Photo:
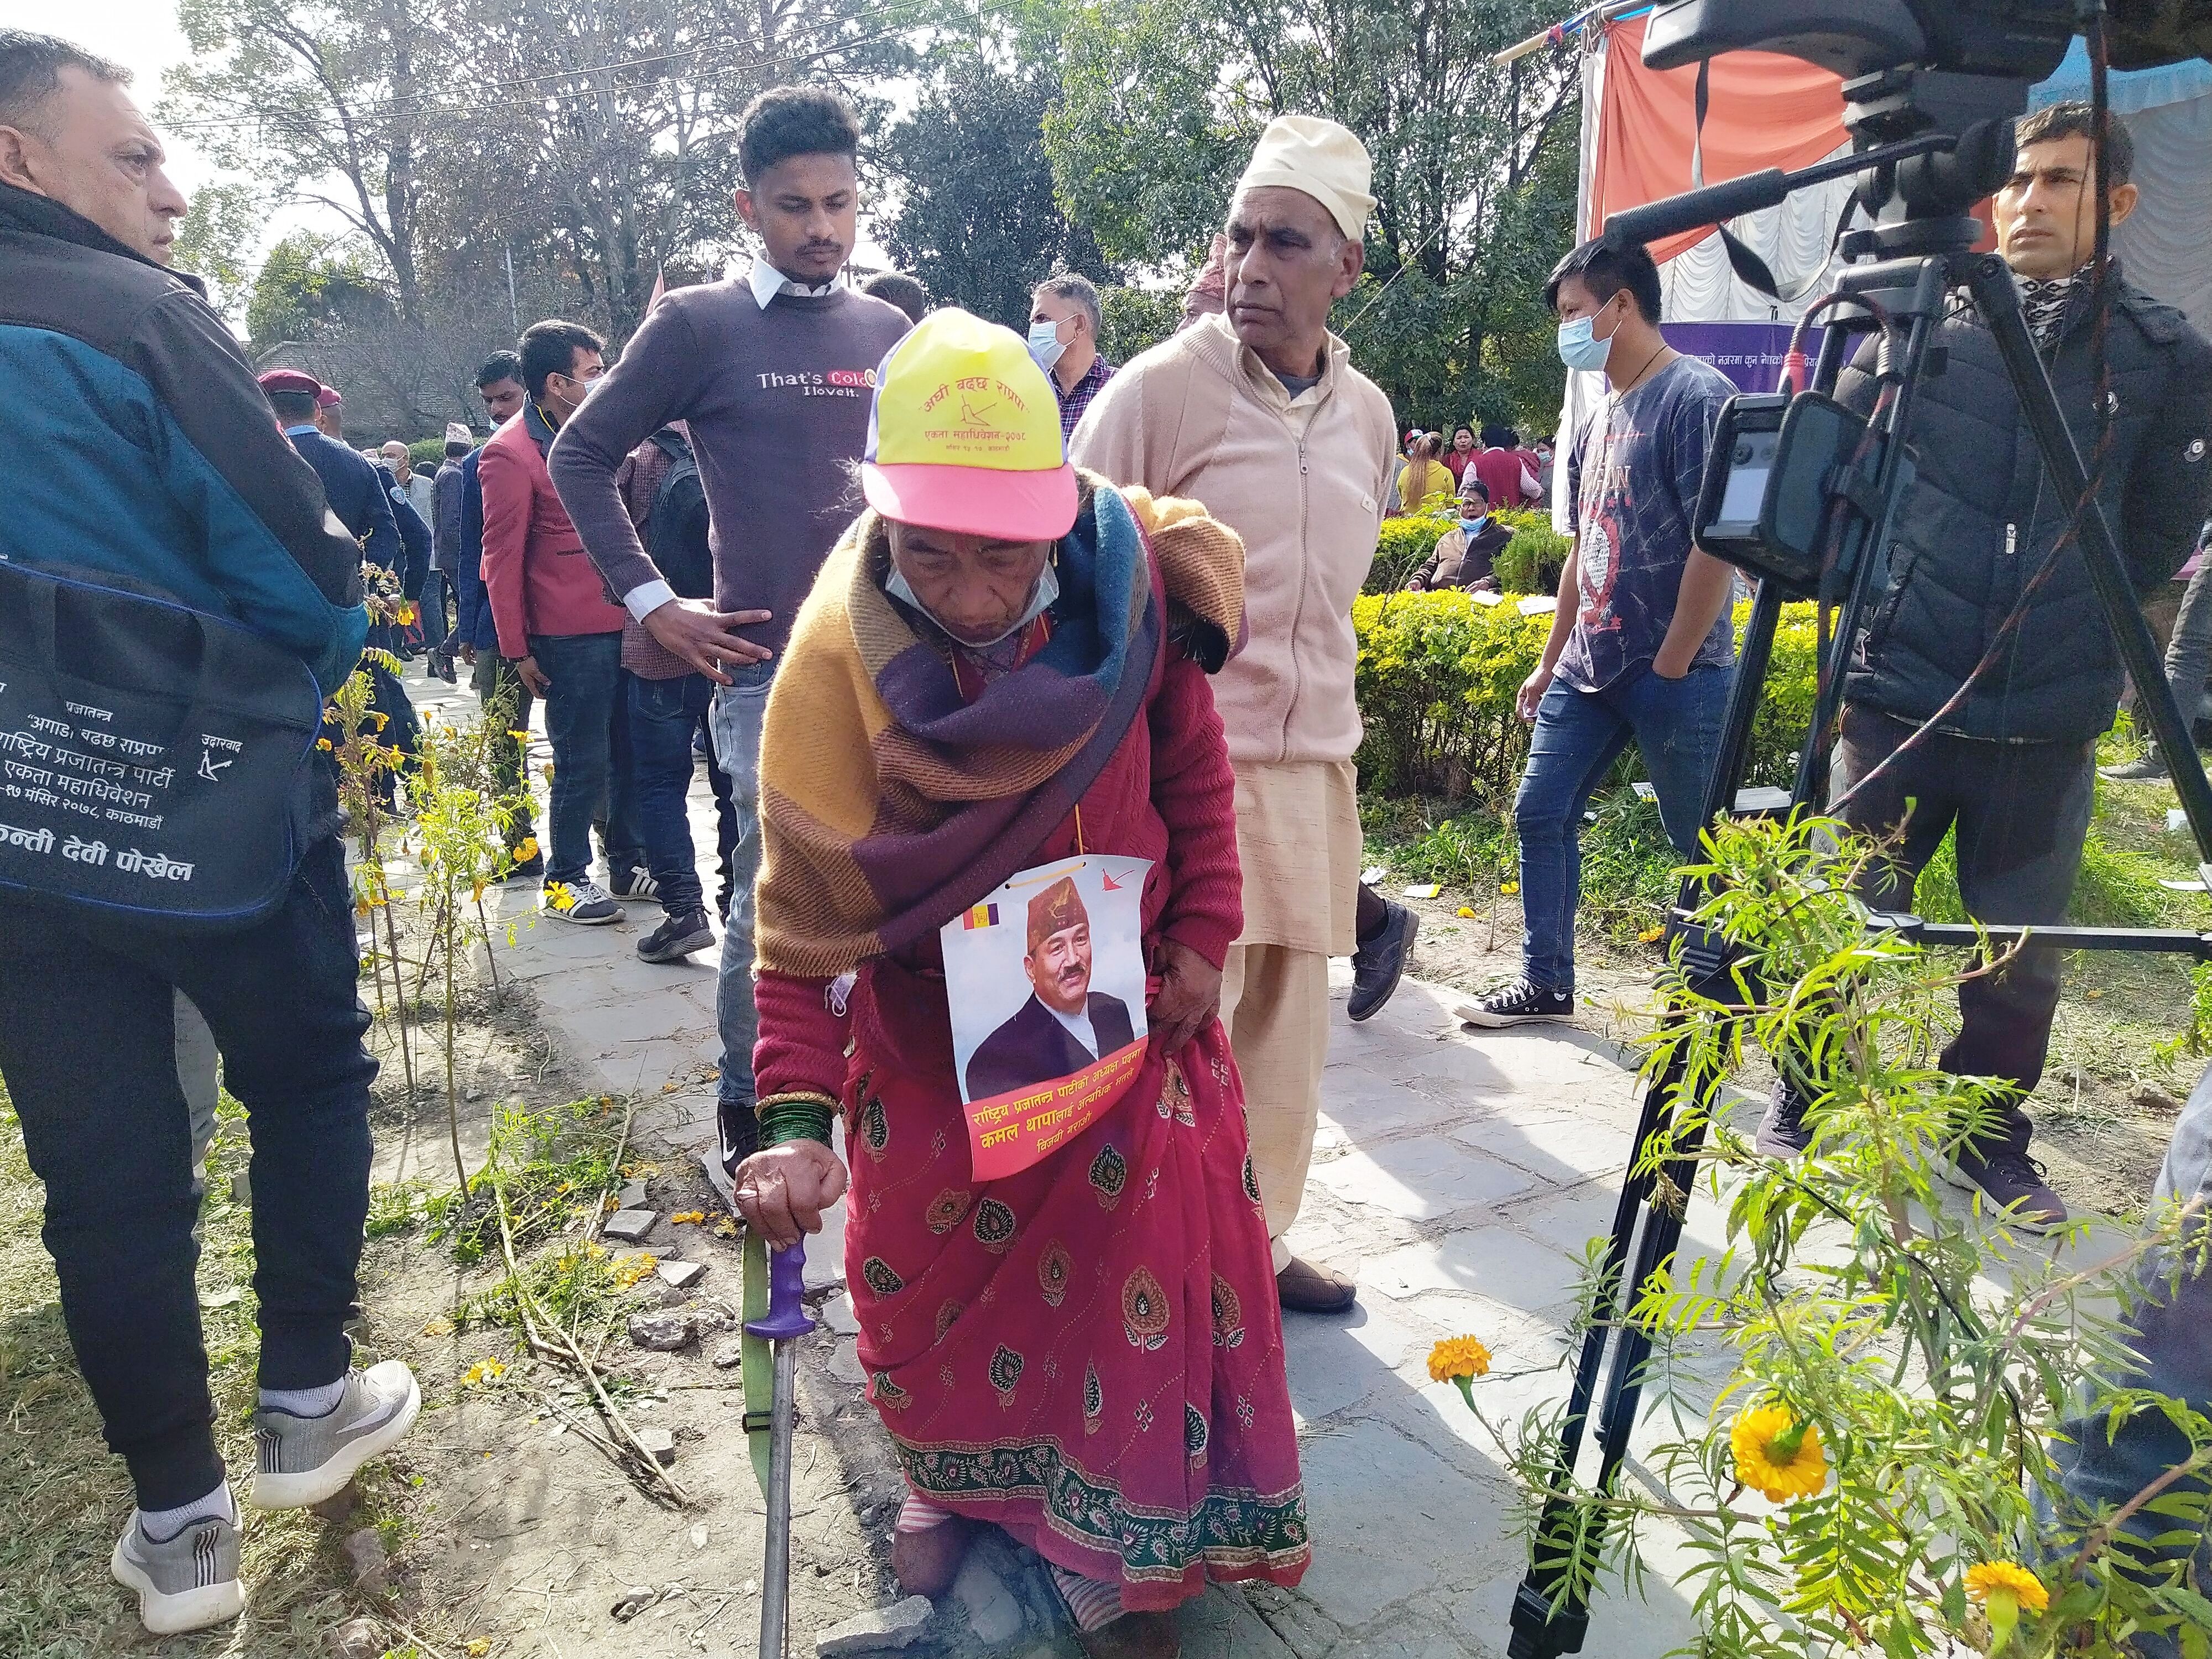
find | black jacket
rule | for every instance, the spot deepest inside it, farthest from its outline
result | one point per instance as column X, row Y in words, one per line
column 1981, row 515
column 1033, row 1048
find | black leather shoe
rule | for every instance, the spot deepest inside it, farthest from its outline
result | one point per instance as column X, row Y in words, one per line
column 1377, row 964
column 1306, row 1287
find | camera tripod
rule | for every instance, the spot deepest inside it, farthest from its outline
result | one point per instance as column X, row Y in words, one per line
column 1912, row 265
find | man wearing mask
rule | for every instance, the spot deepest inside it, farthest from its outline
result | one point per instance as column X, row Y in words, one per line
column 420, row 493
column 445, row 490
column 146, row 453
column 1640, row 644
column 1465, row 554
column 2010, row 765
column 1258, row 414
column 1064, row 322
column 770, row 372
column 563, row 632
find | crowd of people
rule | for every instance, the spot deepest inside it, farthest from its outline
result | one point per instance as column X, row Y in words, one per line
column 943, row 601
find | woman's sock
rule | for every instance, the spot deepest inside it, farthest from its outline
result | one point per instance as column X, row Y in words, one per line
column 1094, row 1602
column 918, row 1514
column 160, row 1526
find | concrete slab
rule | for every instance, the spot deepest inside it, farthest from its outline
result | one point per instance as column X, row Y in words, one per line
column 1419, row 1179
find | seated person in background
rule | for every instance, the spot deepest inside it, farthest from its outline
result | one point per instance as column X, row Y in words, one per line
column 1065, row 1025
column 1463, row 554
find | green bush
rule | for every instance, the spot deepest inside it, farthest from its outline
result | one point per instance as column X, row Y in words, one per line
column 426, row 454
column 1437, row 675
column 1532, row 561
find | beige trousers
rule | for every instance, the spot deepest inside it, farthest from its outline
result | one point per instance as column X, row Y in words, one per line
column 1274, row 1006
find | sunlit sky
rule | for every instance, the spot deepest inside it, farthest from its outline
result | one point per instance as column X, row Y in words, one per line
column 142, row 36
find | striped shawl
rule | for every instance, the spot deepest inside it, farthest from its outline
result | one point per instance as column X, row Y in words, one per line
column 888, row 804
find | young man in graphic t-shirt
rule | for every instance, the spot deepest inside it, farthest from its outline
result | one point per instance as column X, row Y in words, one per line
column 770, row 371
column 1641, row 643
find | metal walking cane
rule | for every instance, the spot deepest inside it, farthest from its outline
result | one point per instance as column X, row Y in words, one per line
column 783, row 1320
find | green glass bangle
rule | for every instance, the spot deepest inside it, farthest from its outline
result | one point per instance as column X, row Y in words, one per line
column 795, row 1117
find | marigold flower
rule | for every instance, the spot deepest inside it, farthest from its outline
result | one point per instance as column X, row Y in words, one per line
column 1467, row 912
column 527, row 851
column 1777, row 1456
column 634, row 1268
column 2005, row 1588
column 519, row 737
column 1456, row 1357
column 687, row 1218
column 560, row 896
column 1651, row 935
column 1509, row 888
column 482, row 1372
column 323, row 744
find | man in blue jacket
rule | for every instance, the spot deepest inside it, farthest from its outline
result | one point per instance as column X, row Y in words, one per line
column 499, row 383
column 366, row 502
column 145, row 457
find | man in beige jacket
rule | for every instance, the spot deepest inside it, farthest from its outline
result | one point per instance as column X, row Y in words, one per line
column 1258, row 414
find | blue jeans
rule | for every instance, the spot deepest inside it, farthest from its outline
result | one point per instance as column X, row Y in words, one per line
column 436, row 587
column 734, row 725
column 588, row 722
column 663, row 716
column 2171, row 1327
column 1676, row 724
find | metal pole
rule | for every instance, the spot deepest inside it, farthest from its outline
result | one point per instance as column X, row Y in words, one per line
column 513, row 312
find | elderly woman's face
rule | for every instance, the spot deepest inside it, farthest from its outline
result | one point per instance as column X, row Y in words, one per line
column 975, row 588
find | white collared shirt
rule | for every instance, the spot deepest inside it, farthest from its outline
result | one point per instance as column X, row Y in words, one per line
column 767, row 281
column 1078, row 1026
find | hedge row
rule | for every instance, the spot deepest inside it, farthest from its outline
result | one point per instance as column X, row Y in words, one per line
column 1438, row 674
column 1530, row 564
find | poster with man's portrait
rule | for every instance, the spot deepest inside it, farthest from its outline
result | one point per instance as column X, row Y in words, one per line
column 1045, row 980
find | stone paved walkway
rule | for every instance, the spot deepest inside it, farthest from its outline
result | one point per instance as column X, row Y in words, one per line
column 1459, row 1175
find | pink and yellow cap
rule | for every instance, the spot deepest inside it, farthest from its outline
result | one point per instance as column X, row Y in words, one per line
column 964, row 435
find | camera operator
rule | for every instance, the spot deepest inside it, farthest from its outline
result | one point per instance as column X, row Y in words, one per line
column 2008, row 762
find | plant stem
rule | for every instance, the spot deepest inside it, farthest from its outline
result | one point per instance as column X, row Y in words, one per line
column 453, row 1096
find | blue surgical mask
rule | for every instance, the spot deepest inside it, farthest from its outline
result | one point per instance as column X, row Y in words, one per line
column 1580, row 348
column 1045, row 346
column 1048, row 589
column 1474, row 527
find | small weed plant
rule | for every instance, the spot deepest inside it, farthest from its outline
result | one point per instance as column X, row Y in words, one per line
column 1880, row 1469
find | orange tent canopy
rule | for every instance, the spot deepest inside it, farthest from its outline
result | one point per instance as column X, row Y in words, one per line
column 1762, row 109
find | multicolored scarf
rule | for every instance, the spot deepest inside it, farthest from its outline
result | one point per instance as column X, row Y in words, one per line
column 889, row 803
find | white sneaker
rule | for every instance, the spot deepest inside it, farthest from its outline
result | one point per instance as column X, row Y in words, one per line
column 303, row 1460
column 583, row 901
column 186, row 1583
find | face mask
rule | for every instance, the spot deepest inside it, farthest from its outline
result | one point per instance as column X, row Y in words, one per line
column 1045, row 346
column 1579, row 349
column 1474, row 527
column 1048, row 589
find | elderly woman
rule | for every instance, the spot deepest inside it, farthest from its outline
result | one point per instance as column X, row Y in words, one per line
column 1003, row 665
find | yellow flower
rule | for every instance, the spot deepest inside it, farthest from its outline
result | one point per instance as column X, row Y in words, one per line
column 723, row 1227
column 381, row 719
column 519, row 737
column 527, row 851
column 1509, row 888
column 1456, row 1357
column 639, row 1266
column 2005, row 1588
column 559, row 896
column 439, row 1326
column 482, row 1373
column 1467, row 912
column 1777, row 1456
column 687, row 1218
column 1651, row 935
column 406, row 615
column 476, row 1646
column 323, row 744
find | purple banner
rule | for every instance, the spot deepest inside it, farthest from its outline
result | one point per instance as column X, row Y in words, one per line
column 1750, row 353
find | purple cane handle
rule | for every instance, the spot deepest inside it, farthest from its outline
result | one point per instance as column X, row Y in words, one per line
column 787, row 1285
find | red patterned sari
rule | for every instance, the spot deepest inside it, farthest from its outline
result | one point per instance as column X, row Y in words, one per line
column 1088, row 1353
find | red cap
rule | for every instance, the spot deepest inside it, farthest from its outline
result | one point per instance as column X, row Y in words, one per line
column 327, row 396
column 291, row 379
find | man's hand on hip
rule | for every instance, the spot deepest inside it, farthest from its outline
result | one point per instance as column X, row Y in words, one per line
column 705, row 638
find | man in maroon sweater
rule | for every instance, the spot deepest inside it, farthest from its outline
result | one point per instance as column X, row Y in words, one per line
column 562, row 632
column 770, row 372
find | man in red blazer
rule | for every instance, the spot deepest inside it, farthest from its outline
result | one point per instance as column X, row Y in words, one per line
column 562, row 631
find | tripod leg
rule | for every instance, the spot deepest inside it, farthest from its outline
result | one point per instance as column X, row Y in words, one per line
column 1550, row 1610
column 1998, row 301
